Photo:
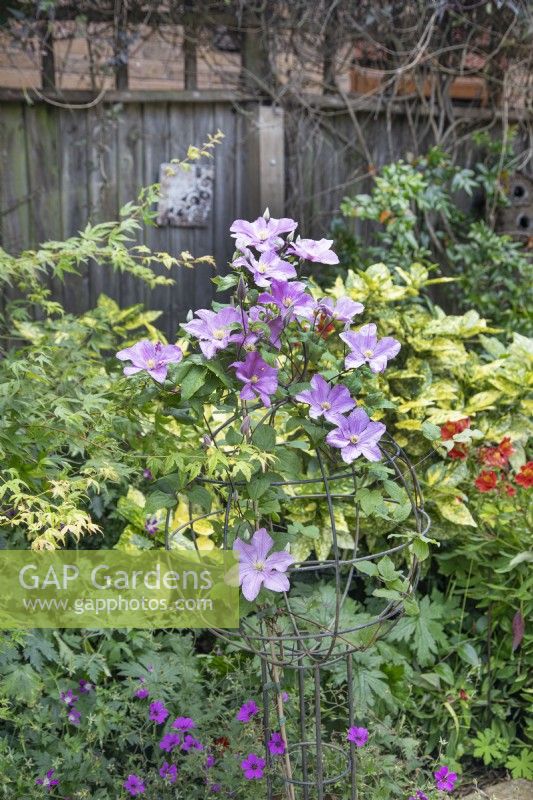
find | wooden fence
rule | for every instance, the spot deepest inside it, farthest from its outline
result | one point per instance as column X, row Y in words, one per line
column 62, row 167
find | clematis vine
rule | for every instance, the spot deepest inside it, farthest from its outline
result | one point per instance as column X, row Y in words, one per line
column 366, row 348
column 315, row 250
column 263, row 234
column 357, row 435
column 344, row 310
column 269, row 266
column 257, row 568
column 330, row 402
column 291, row 299
column 259, row 379
column 213, row 329
column 150, row 357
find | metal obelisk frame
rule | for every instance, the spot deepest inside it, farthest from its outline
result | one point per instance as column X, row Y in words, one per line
column 287, row 640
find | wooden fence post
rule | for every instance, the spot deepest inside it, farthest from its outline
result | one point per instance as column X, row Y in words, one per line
column 266, row 161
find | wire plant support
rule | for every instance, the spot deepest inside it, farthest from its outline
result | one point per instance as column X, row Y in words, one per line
column 295, row 647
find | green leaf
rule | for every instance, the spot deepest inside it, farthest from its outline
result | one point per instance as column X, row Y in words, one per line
column 521, row 766
column 468, row 654
column 455, row 510
column 367, row 567
column 420, row 549
column 158, row 500
column 264, row 437
column 192, row 382
column 258, row 486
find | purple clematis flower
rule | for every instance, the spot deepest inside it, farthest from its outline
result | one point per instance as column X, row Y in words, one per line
column 330, row 402
column 154, row 358
column 247, row 711
column 276, row 745
column 69, row 698
column 47, row 781
column 184, row 724
column 253, row 767
column 213, row 328
column 366, row 348
column 267, row 267
column 359, row 736
column 344, row 310
column 257, row 568
column 291, row 299
column 317, row 250
column 158, row 713
column 74, row 716
column 263, row 234
column 444, row 779
column 191, row 743
column 259, row 379
column 169, row 742
column 169, row 772
column 357, row 435
column 134, row 785
column 86, row 687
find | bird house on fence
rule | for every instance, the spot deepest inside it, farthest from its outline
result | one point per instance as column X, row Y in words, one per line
column 516, row 219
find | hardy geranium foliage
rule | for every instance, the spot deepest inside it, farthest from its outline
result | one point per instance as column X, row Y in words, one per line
column 268, row 381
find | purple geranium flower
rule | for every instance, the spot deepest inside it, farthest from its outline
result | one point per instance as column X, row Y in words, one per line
column 357, row 435
column 331, row 402
column 215, row 788
column 210, row 761
column 256, row 567
column 169, row 742
column 154, row 358
column 47, row 781
column 418, row 796
column 86, row 687
column 134, row 785
column 213, row 328
column 142, row 693
column 366, row 348
column 291, row 299
column 169, row 772
column 191, row 743
column 359, row 736
column 444, row 779
column 253, row 767
column 263, row 234
column 147, row 474
column 69, row 698
column 318, row 250
column 184, row 724
column 269, row 266
column 259, row 379
column 158, row 713
column 276, row 745
column 247, row 711
column 344, row 310
column 151, row 526
column 74, row 716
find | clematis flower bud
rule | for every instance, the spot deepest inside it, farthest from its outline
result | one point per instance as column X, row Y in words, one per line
column 206, row 441
column 246, row 425
column 266, row 213
column 241, row 290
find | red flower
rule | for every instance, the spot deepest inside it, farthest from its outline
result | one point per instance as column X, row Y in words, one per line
column 463, row 695
column 525, row 476
column 510, row 490
column 486, row 481
column 324, row 326
column 458, row 452
column 497, row 456
column 449, row 429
